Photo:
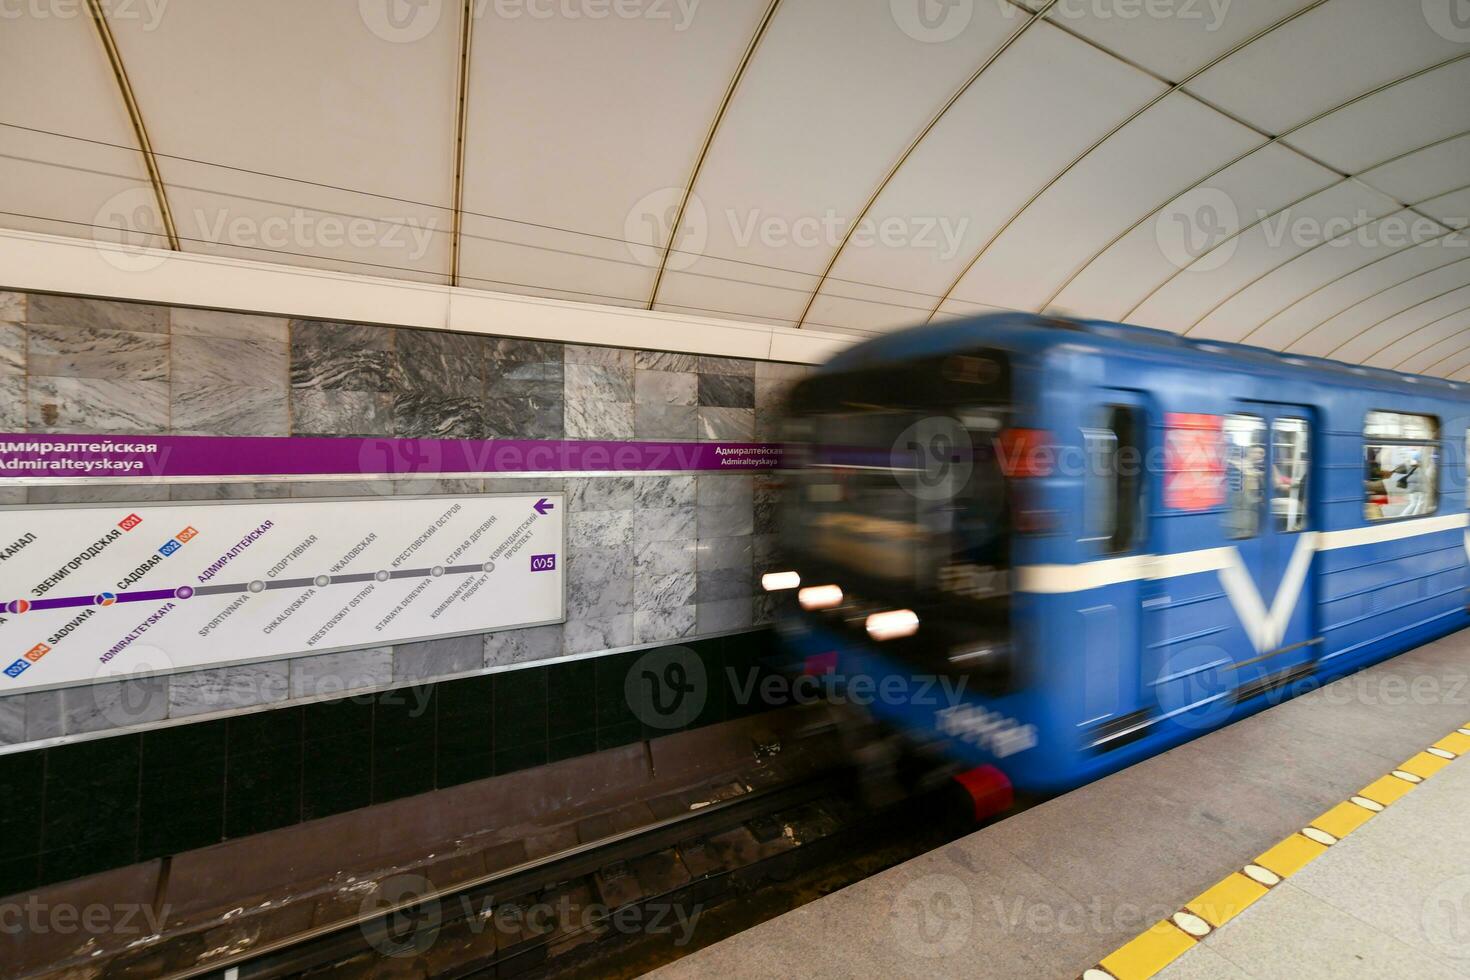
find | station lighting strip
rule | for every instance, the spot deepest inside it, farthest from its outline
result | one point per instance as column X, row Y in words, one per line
column 1170, row 938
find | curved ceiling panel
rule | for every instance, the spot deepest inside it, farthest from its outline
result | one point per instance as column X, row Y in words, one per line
column 1434, row 170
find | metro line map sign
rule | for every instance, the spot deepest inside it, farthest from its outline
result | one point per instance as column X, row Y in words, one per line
column 96, row 591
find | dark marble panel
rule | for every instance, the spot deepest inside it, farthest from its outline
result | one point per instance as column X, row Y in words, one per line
column 538, row 415
column 341, row 413
column 418, row 415
column 440, row 343
column 341, row 336
column 341, row 369
column 726, row 391
column 440, row 374
column 77, row 311
column 654, row 360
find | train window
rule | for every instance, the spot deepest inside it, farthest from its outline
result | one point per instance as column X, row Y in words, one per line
column 1245, row 474
column 1290, row 463
column 1400, row 465
column 1113, row 509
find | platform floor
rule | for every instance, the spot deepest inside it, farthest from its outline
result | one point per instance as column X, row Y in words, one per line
column 1073, row 883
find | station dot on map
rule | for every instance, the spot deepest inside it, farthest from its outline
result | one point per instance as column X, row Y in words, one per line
column 104, row 599
column 18, row 606
column 256, row 586
column 184, row 592
column 381, row 576
column 436, row 571
column 489, row 566
column 322, row 581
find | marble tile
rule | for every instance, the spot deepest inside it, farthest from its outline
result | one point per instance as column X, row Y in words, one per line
column 663, row 524
column 726, row 391
column 725, row 489
column 727, row 614
column 654, row 360
column 666, row 388
column 600, row 493
column 512, row 350
column 767, row 504
column 654, row 592
column 725, row 521
column 615, row 357
column 335, row 335
column 726, row 365
column 245, row 685
column 12, row 403
column 591, row 636
column 665, row 491
column 445, row 375
column 523, row 646
column 114, row 704
column 12, row 349
column 93, row 405
column 12, row 305
column 459, row 347
column 716, row 584
column 598, row 383
column 598, row 529
column 43, row 715
column 78, row 311
column 222, row 409
column 428, row 659
column 341, row 413
column 341, row 488
column 452, row 485
column 727, row 424
column 200, row 361
column 598, row 584
column 97, row 493
column 781, row 371
column 721, row 553
column 766, row 604
column 185, row 322
column 425, row 415
column 522, row 484
column 13, row 707
column 670, row 422
column 334, row 673
column 767, row 553
column 538, row 415
column 229, row 491
column 656, row 625
column 97, row 352
column 598, row 420
column 342, row 369
column 12, row 496
column 666, row 557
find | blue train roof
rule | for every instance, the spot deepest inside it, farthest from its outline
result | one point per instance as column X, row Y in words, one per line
column 1031, row 332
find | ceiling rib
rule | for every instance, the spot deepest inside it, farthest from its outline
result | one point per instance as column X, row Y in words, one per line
column 1452, row 336
column 135, row 115
column 909, row 150
column 709, row 138
column 1433, row 344
column 1377, row 323
column 466, row 34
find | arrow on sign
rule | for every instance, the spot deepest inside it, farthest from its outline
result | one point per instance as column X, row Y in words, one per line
column 541, row 506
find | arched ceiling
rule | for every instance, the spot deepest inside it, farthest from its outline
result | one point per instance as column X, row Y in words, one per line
column 1291, row 173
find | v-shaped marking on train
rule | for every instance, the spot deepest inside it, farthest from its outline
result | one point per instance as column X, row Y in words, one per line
column 1267, row 628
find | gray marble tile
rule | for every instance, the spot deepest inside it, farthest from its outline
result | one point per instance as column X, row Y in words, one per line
column 424, row 415
column 654, row 360
column 114, row 704
column 501, row 372
column 767, row 504
column 230, row 410
column 590, row 636
column 665, row 491
column 666, row 557
column 341, row 413
column 781, row 371
column 433, row 487
column 92, row 405
column 523, row 646
column 467, row 349
column 12, row 707
column 12, row 403
column 245, row 685
column 716, row 584
column 726, row 391
column 78, row 311
column 727, row 424
column 97, row 352
column 600, row 493
column 666, row 388
column 341, row 488
column 653, row 592
column 599, row 529
column 539, row 414
column 334, row 673
column 767, row 553
column 615, row 357
column 97, row 493
column 43, row 715
column 598, row 420
column 725, row 521
column 523, row 484
column 12, row 305
column 663, row 524
column 444, row 375
column 342, row 369
column 438, row 658
column 229, row 491
column 727, row 614
column 236, row 326
column 657, row 625
column 725, row 489
column 250, row 363
column 720, row 553
column 335, row 335
column 11, row 496
column 726, row 365
column 12, row 349
column 670, row 422
column 598, row 383
column 598, row 584
column 511, row 350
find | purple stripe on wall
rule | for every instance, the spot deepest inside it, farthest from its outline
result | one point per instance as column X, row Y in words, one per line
column 25, row 455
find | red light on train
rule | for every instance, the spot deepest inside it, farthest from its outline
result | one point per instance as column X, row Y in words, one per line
column 1024, row 453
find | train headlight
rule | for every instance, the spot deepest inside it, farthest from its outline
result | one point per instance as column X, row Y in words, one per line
column 894, row 624
column 779, row 581
column 819, row 597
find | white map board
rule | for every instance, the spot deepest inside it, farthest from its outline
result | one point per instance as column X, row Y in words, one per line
column 96, row 592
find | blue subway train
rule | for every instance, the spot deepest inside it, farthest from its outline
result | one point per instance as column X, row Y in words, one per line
column 1056, row 547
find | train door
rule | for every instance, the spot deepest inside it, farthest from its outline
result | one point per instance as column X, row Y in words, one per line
column 1268, row 521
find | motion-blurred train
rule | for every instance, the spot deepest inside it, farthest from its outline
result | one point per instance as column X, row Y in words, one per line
column 1063, row 546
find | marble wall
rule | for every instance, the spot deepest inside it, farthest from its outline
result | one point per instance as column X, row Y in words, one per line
column 651, row 559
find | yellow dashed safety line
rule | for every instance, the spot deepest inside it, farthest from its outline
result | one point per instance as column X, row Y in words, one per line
column 1165, row 941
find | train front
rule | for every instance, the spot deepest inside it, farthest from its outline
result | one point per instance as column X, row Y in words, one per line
column 904, row 484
